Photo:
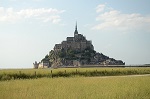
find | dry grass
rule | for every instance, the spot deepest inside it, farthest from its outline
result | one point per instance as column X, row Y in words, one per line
column 77, row 88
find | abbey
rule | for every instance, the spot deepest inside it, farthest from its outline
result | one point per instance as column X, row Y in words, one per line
column 76, row 51
column 78, row 43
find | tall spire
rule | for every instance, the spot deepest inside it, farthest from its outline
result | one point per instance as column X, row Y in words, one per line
column 76, row 31
column 76, row 26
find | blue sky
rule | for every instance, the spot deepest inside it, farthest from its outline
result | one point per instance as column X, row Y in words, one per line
column 29, row 29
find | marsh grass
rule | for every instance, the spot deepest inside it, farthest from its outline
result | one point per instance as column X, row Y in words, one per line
column 77, row 88
column 69, row 72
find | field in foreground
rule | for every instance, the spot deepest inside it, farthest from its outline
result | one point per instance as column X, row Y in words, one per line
column 77, row 88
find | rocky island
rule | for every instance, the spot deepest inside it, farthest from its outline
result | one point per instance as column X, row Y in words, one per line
column 76, row 51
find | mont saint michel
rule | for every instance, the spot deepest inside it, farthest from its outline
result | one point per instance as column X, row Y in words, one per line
column 75, row 51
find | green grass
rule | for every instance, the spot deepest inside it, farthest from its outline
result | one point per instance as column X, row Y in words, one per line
column 77, row 88
column 69, row 72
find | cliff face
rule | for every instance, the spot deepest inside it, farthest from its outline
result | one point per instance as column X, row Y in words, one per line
column 77, row 51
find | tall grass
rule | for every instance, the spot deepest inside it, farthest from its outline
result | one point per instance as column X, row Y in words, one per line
column 77, row 88
column 69, row 72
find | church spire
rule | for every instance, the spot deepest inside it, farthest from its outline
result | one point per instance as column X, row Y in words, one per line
column 76, row 31
column 76, row 26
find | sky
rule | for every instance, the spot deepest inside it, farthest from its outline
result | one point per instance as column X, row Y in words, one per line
column 29, row 29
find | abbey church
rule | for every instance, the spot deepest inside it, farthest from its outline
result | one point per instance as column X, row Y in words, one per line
column 78, row 43
column 76, row 51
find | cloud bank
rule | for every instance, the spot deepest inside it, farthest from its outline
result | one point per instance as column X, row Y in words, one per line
column 114, row 19
column 43, row 14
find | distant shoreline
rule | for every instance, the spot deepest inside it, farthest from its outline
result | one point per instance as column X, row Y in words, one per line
column 91, row 66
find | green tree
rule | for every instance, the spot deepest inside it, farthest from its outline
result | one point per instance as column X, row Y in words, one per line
column 46, row 58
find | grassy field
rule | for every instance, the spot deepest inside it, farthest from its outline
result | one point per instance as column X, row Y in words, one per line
column 69, row 72
column 77, row 88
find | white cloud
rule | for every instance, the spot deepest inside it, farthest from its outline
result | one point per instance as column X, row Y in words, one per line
column 114, row 19
column 43, row 14
column 53, row 19
column 100, row 8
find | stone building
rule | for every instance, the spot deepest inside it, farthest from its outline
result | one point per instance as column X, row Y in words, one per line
column 78, row 42
column 43, row 64
column 35, row 65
